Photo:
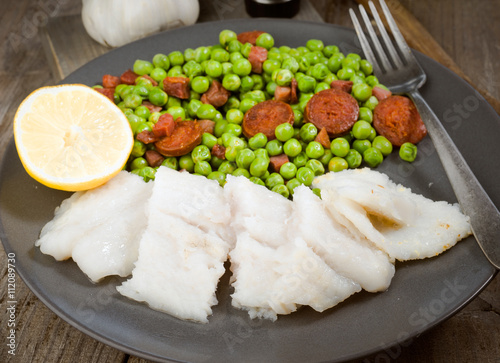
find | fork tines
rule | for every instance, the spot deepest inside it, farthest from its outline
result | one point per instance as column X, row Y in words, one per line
column 386, row 57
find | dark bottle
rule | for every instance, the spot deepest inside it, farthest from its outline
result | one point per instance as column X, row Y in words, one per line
column 272, row 8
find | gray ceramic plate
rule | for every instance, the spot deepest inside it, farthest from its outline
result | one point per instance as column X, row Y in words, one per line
column 422, row 294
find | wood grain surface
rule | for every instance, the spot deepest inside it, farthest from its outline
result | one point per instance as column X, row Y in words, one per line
column 462, row 35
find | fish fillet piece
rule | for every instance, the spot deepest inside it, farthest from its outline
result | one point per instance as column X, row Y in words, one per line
column 270, row 281
column 179, row 264
column 196, row 200
column 263, row 214
column 352, row 257
column 403, row 224
column 86, row 228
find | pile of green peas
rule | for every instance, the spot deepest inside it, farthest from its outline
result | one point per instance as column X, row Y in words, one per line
column 314, row 66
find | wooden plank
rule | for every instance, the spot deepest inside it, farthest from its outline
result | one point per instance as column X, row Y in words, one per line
column 420, row 39
column 67, row 45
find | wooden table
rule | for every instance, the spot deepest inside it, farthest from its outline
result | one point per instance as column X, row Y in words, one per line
column 462, row 35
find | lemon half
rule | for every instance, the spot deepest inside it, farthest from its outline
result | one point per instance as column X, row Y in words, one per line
column 70, row 137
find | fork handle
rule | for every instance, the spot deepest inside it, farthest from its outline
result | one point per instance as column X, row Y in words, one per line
column 473, row 200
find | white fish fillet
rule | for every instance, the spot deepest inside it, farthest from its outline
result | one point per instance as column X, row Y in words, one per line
column 403, row 224
column 277, row 280
column 258, row 211
column 100, row 228
column 179, row 263
column 352, row 257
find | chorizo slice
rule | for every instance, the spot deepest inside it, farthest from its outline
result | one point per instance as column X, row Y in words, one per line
column 185, row 137
column 323, row 138
column 283, row 94
column 176, row 87
column 109, row 81
column 219, row 151
column 152, row 108
column 397, row 118
column 256, row 57
column 128, row 77
column 207, row 126
column 265, row 116
column 108, row 92
column 294, row 98
column 342, row 85
column 380, row 93
column 216, row 95
column 154, row 158
column 164, row 126
column 334, row 110
column 147, row 137
column 276, row 161
column 249, row 36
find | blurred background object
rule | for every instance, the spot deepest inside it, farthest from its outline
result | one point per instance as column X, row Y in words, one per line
column 272, row 8
column 117, row 22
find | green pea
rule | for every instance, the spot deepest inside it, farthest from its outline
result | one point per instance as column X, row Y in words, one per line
column 371, row 103
column 158, row 97
column 142, row 111
column 244, row 158
column 241, row 172
column 132, row 100
column 321, row 86
column 246, row 104
column 284, row 77
column 192, row 69
column 158, row 74
column 372, row 157
column 220, row 55
column 242, row 67
column 138, row 149
column 284, row 132
column 316, row 166
column 138, row 163
column 142, row 67
column 306, row 84
column 365, row 114
column 345, row 73
column 208, row 140
column 308, row 132
column 349, row 62
column 261, row 153
column 259, row 166
column 247, row 83
column 234, row 116
column 161, row 61
column 288, row 170
column 134, row 121
column 255, row 95
column 154, row 117
column 271, row 65
column 372, row 80
column 312, row 57
column 200, row 84
column 187, row 163
column 176, row 58
column 361, row 91
column 147, row 173
column 265, row 40
column 171, row 162
column 274, row 147
column 315, row 45
column 330, row 50
column 366, row 67
column 315, row 150
column 384, row 145
column 291, row 64
column 274, row 179
column 292, row 147
column 319, row 71
column 233, row 45
column 353, row 158
column 227, row 167
column 188, row 54
column 339, row 147
column 301, row 159
column 177, row 112
column 143, row 126
column 361, row 129
column 325, row 159
column 281, row 189
column 257, row 141
column 257, row 180
column 231, row 82
column 206, row 112
column 337, row 164
column 225, row 36
column 361, row 145
column 305, row 175
column 408, row 152
column 201, row 54
column 200, row 153
column 335, row 62
column 213, row 69
column 219, row 176
column 203, row 168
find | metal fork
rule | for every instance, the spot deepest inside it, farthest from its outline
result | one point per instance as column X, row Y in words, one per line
column 398, row 69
